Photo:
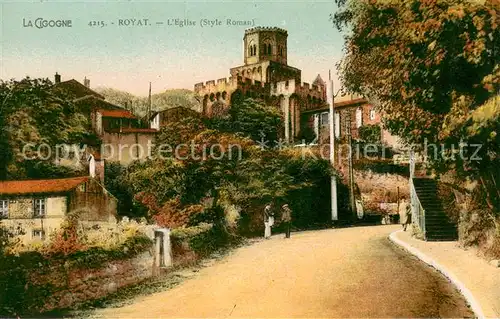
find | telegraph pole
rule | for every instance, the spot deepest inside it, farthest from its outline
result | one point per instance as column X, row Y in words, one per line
column 351, row 172
column 150, row 102
column 331, row 120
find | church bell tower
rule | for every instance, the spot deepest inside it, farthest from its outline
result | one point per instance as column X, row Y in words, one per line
column 265, row 44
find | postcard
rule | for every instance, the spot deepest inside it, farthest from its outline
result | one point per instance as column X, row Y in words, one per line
column 249, row 159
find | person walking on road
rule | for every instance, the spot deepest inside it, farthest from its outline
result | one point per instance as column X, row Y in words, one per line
column 268, row 220
column 286, row 217
column 407, row 220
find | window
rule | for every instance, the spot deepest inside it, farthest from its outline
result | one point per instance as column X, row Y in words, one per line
column 39, row 207
column 372, row 115
column 252, row 50
column 38, row 234
column 359, row 117
column 324, row 119
column 269, row 49
column 114, row 124
column 280, row 50
column 337, row 124
column 4, row 208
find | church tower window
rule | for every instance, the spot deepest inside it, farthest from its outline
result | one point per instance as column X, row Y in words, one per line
column 252, row 49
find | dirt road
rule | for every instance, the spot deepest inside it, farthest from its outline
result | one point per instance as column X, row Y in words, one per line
column 352, row 272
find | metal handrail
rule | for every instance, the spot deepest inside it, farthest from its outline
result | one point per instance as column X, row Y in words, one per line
column 417, row 211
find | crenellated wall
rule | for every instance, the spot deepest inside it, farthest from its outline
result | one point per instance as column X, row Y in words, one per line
column 265, row 74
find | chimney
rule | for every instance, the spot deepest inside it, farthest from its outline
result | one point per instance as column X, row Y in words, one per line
column 57, row 78
column 86, row 82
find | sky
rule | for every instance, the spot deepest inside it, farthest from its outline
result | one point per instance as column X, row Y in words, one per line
column 129, row 57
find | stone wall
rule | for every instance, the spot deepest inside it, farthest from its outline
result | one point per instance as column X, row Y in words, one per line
column 93, row 202
column 380, row 191
column 73, row 286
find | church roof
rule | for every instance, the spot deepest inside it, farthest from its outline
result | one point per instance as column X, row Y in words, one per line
column 319, row 80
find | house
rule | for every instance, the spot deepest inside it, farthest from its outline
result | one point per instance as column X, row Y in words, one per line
column 123, row 137
column 359, row 112
column 171, row 115
column 36, row 208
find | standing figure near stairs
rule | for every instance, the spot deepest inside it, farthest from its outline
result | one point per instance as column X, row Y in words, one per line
column 407, row 219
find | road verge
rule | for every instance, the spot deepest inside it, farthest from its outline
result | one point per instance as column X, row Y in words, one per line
column 475, row 306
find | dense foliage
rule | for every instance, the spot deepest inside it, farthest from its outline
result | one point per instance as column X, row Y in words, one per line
column 116, row 183
column 251, row 118
column 370, row 133
column 31, row 112
column 219, row 167
column 432, row 69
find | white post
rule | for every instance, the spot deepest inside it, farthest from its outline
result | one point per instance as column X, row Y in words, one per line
column 167, row 252
column 157, row 250
column 331, row 122
column 91, row 166
column 163, row 249
column 316, row 127
column 286, row 106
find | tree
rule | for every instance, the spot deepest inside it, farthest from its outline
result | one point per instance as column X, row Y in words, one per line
column 32, row 112
column 250, row 118
column 370, row 133
column 432, row 68
column 215, row 163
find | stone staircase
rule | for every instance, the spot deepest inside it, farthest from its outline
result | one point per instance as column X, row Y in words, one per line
column 438, row 226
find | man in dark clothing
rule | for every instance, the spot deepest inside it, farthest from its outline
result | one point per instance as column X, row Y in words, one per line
column 408, row 216
column 286, row 217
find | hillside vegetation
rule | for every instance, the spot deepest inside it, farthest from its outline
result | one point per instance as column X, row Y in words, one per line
column 160, row 101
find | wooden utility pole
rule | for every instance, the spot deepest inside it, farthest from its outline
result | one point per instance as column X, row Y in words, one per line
column 148, row 109
column 352, row 201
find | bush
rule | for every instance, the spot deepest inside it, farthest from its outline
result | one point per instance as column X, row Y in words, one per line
column 116, row 183
column 182, row 233
column 205, row 243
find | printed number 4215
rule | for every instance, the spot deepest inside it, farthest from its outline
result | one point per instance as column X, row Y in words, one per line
column 96, row 24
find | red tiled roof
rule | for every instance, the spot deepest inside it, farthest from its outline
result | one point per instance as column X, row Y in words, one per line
column 117, row 114
column 351, row 102
column 40, row 186
column 132, row 130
